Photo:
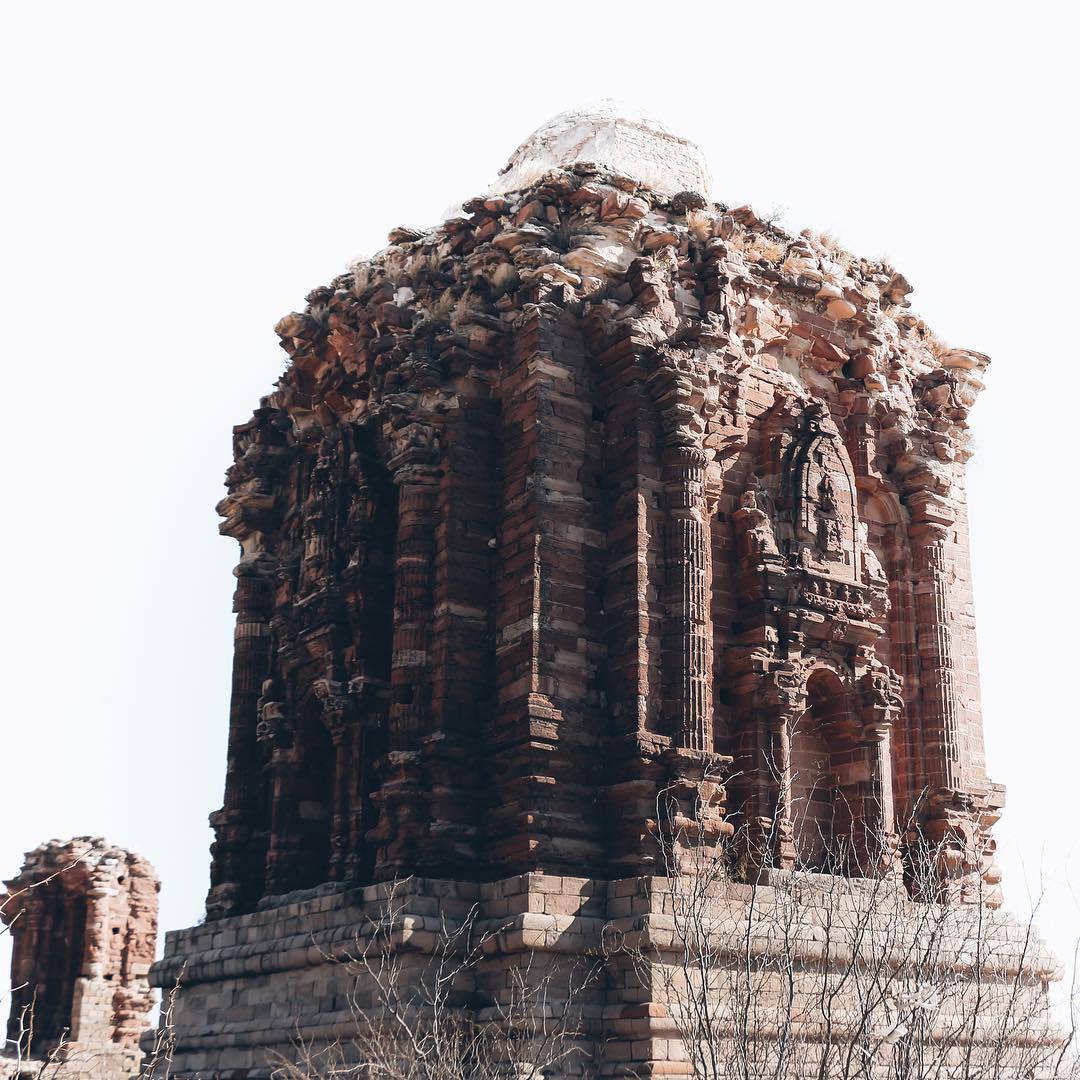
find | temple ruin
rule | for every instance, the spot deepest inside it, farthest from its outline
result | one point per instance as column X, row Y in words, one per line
column 82, row 915
column 600, row 489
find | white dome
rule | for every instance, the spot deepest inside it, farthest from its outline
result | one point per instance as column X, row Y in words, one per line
column 612, row 135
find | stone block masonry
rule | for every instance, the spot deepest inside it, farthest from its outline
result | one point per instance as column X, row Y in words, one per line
column 253, row 984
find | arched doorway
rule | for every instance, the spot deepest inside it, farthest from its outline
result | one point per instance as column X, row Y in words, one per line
column 827, row 766
column 42, row 1007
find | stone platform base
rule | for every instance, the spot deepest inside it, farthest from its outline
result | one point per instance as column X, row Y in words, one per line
column 791, row 965
column 75, row 1061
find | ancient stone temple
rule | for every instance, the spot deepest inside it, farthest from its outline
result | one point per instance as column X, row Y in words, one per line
column 597, row 490
column 82, row 915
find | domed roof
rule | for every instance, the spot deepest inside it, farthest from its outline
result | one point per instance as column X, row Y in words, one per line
column 612, row 135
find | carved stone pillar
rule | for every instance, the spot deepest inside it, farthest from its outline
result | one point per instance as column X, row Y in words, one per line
column 682, row 396
column 687, row 646
column 943, row 758
column 881, row 705
column 783, row 704
column 236, row 870
column 320, row 519
column 402, row 796
column 418, row 495
column 368, row 586
column 30, row 953
column 695, row 791
column 958, row 806
column 276, row 735
column 339, row 721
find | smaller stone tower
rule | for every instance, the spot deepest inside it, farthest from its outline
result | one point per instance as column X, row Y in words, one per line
column 82, row 915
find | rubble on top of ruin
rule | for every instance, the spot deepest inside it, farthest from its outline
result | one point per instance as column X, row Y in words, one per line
column 579, row 236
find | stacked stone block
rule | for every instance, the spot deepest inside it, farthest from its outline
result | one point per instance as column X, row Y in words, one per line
column 254, row 983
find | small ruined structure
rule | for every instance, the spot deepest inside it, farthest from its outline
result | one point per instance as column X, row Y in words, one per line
column 596, row 491
column 82, row 916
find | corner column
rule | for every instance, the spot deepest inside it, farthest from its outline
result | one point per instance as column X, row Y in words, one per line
column 276, row 735
column 695, row 772
column 959, row 806
column 29, row 954
column 338, row 718
column 943, row 762
column 403, row 810
column 236, row 868
column 686, row 650
column 882, row 704
column 687, row 641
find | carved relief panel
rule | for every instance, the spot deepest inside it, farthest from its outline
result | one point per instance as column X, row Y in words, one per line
column 818, row 492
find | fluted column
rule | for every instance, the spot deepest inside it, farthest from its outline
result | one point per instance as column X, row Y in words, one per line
column 934, row 615
column 695, row 772
column 276, row 735
column 402, row 797
column 958, row 806
column 882, row 811
column 687, row 649
column 414, row 567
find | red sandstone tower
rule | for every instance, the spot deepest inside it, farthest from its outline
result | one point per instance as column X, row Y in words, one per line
column 598, row 489
column 82, row 915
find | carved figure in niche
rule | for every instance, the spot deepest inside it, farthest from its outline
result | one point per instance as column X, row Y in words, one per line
column 829, row 534
column 872, row 571
column 319, row 514
column 883, row 688
column 322, row 477
column 826, row 493
column 830, row 538
column 336, row 705
column 756, row 520
column 820, row 483
column 358, row 515
column 274, row 729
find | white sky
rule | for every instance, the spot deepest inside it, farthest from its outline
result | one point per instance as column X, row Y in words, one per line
column 179, row 176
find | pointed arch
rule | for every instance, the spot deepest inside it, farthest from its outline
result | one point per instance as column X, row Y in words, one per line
column 821, row 492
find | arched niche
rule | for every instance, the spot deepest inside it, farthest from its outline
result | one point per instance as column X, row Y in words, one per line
column 823, row 498
column 62, row 943
column 49, row 957
column 313, row 792
column 881, row 516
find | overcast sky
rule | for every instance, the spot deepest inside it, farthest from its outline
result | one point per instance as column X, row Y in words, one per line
column 179, row 176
